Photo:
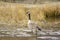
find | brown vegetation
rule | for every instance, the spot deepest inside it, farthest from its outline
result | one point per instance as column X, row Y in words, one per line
column 14, row 13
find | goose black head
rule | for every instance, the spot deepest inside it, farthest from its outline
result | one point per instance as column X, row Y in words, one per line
column 29, row 16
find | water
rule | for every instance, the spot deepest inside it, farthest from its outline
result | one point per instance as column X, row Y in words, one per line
column 26, row 34
column 29, row 38
column 48, row 38
column 17, row 38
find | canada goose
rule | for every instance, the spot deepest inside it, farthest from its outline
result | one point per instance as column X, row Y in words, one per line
column 32, row 25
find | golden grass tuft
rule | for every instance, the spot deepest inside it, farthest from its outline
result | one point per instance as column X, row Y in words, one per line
column 14, row 13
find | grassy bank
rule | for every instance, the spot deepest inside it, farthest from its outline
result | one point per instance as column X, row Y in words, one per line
column 15, row 13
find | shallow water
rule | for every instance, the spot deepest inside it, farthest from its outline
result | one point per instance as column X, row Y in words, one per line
column 25, row 34
column 48, row 38
column 17, row 38
column 30, row 38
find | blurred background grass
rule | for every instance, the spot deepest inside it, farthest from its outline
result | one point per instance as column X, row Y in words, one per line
column 15, row 13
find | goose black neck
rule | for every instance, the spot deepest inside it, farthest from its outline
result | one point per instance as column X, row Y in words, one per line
column 29, row 16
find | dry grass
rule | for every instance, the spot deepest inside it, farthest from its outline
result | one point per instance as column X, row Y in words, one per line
column 11, row 13
column 15, row 14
